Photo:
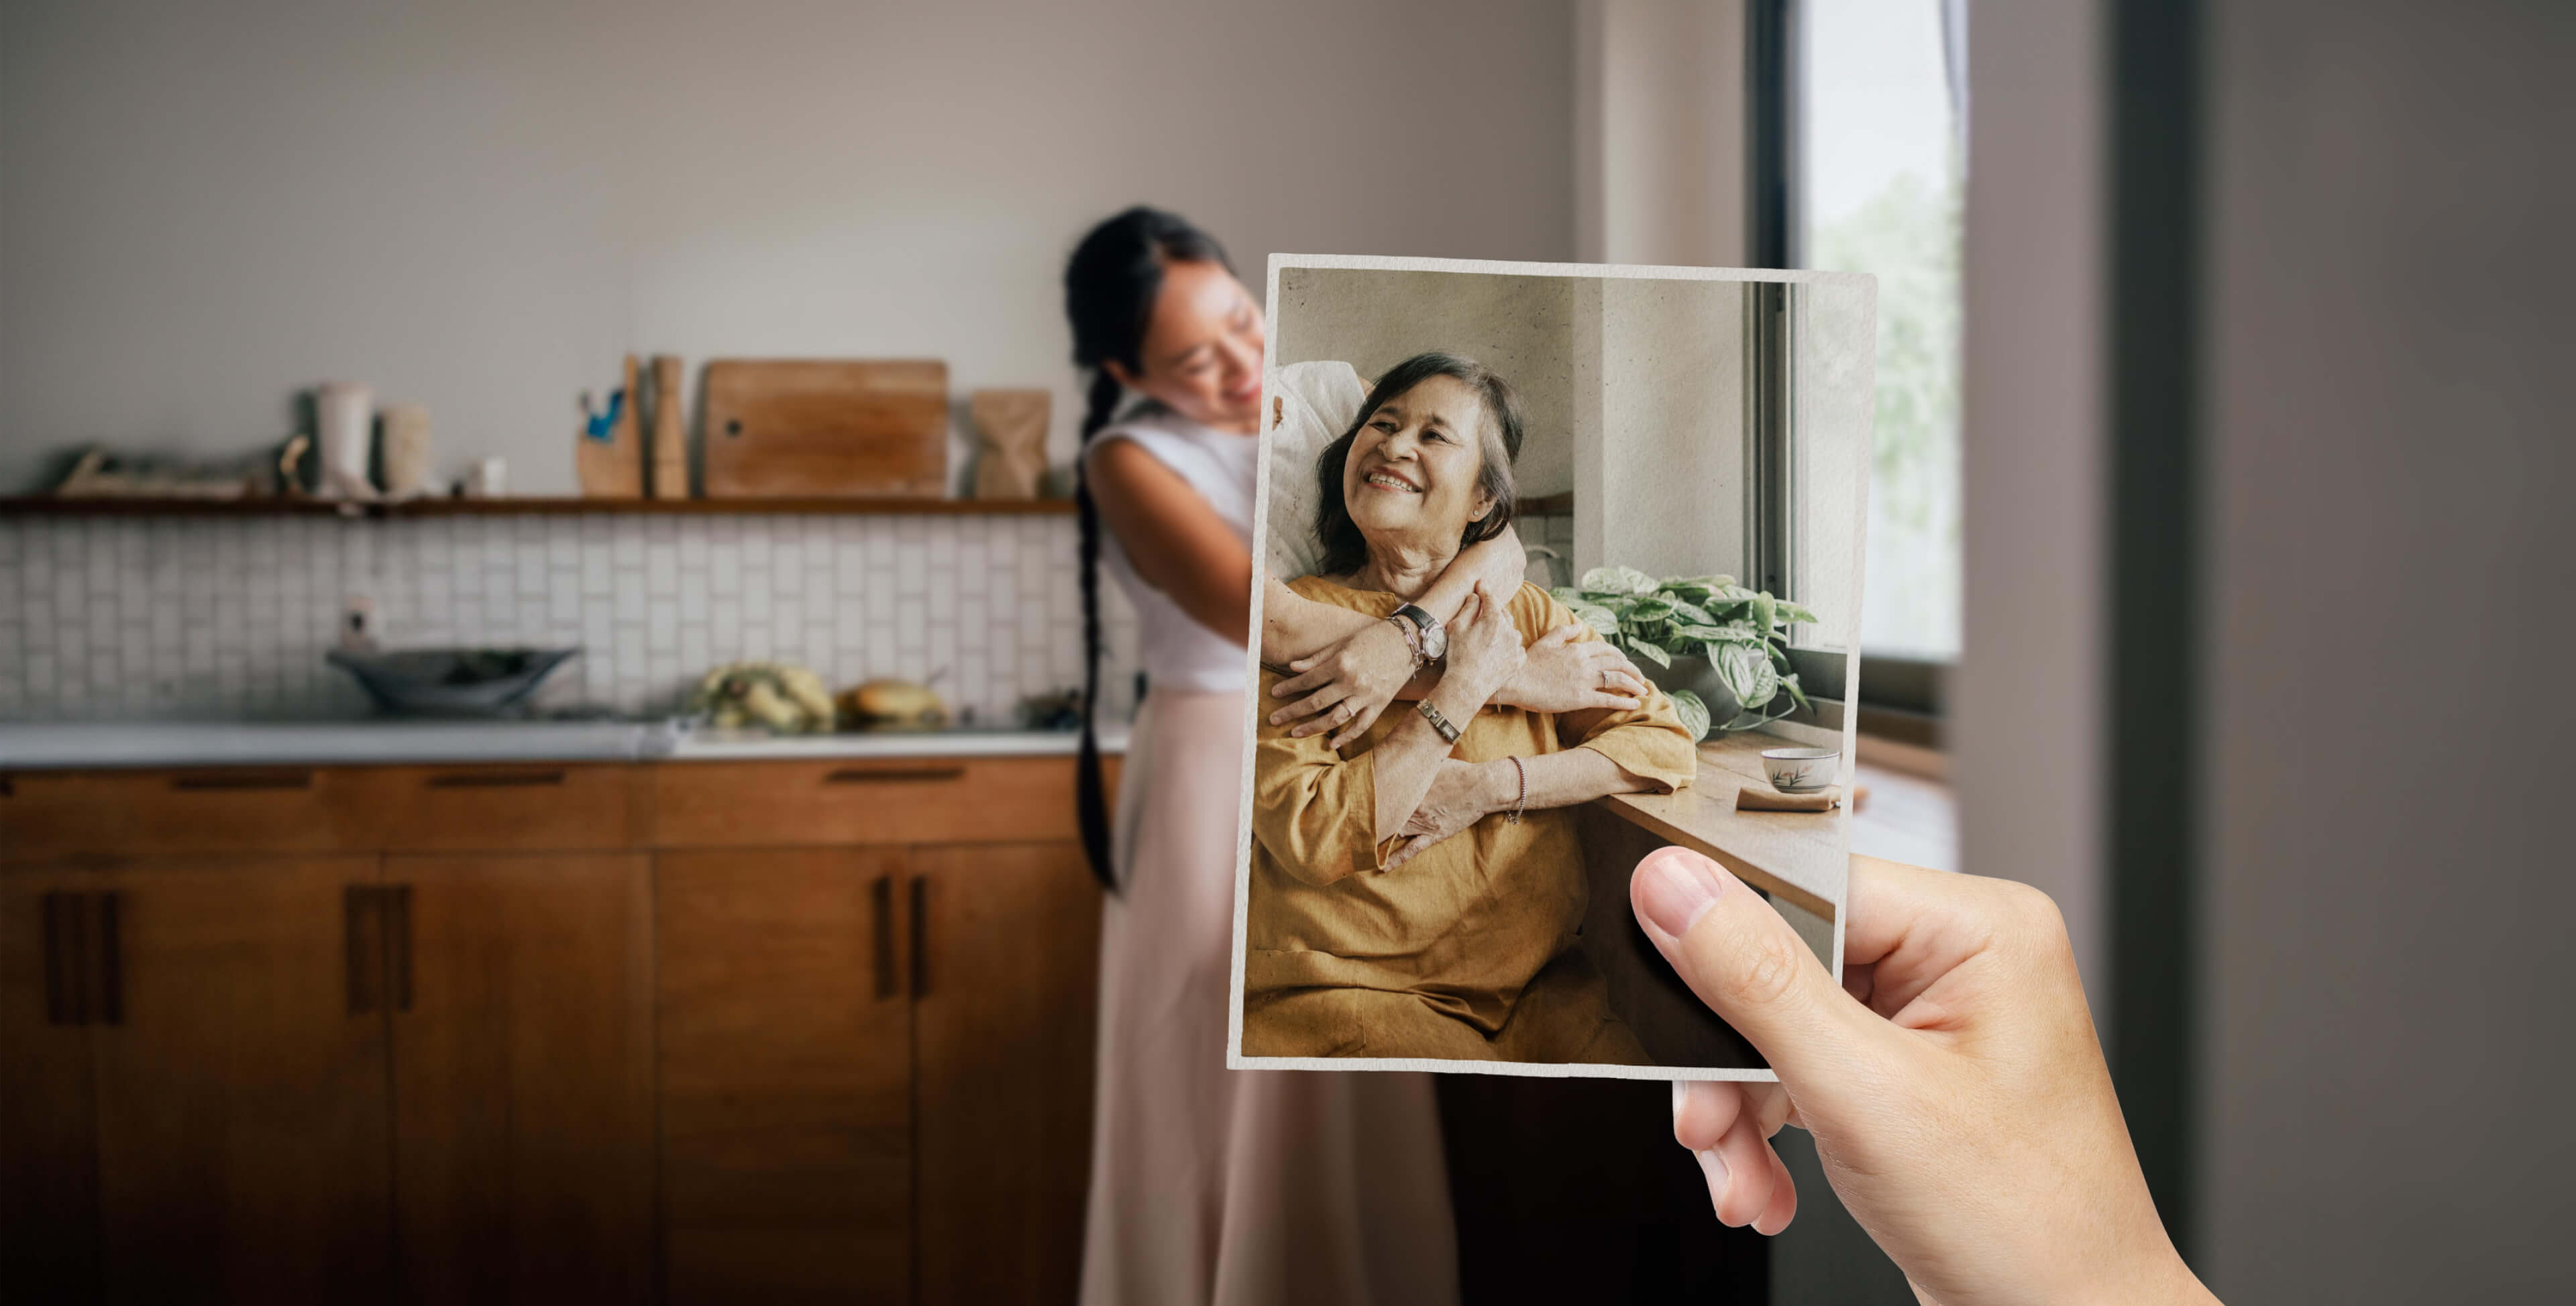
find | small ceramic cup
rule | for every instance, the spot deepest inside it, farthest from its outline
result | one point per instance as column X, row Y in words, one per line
column 1799, row 770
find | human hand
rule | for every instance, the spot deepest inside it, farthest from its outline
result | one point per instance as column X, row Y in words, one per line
column 1346, row 686
column 1953, row 1082
column 1560, row 674
column 1484, row 646
column 1461, row 794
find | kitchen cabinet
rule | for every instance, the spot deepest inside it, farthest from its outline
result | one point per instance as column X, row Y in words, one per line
column 1005, row 989
column 48, row 1135
column 786, row 1074
column 242, row 1129
column 520, row 1001
column 721, row 1031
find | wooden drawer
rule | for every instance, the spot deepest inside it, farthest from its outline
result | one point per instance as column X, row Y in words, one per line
column 872, row 800
column 53, row 815
column 494, row 807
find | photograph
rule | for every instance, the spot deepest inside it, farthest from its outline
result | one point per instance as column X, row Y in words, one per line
column 1616, row 516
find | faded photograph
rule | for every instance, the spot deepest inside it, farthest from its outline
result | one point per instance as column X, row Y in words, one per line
column 1612, row 521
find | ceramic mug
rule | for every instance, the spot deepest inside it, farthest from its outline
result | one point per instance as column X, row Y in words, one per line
column 1800, row 770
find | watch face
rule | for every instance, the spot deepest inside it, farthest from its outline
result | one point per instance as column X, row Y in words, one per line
column 1435, row 641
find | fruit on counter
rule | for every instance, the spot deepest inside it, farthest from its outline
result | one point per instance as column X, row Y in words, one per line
column 896, row 703
column 779, row 696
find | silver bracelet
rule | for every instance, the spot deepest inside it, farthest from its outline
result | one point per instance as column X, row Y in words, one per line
column 1523, row 800
column 1412, row 640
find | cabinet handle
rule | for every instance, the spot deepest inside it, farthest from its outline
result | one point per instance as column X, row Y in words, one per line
column 243, row 780
column 920, row 937
column 397, row 900
column 855, row 775
column 111, row 961
column 881, row 915
column 496, row 779
column 63, row 987
column 362, row 914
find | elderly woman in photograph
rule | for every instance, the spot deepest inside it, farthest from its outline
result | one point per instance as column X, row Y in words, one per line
column 1417, row 892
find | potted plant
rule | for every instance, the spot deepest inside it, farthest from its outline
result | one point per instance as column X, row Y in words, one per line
column 1717, row 649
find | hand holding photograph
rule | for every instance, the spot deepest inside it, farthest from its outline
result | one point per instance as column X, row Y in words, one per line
column 1559, row 561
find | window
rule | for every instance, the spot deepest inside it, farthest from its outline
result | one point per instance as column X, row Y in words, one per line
column 1859, row 159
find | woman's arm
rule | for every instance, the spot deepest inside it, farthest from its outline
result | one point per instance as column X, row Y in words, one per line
column 1323, row 816
column 1173, row 537
column 1463, row 793
column 1484, row 650
column 1356, row 664
column 1298, row 628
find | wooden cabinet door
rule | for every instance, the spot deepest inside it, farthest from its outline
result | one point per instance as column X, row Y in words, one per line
column 522, row 1072
column 786, row 1075
column 242, row 1115
column 1006, row 986
column 48, row 1141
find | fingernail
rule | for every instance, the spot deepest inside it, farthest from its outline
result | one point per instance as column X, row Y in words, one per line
column 1714, row 1166
column 1676, row 887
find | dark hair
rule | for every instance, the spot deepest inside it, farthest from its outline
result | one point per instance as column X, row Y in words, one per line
column 1109, row 289
column 1344, row 549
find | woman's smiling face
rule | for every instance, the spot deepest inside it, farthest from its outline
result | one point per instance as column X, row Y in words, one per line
column 1201, row 355
column 1412, row 477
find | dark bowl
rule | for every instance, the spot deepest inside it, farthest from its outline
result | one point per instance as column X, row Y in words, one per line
column 450, row 681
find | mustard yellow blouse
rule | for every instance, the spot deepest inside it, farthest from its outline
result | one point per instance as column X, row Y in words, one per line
column 1469, row 921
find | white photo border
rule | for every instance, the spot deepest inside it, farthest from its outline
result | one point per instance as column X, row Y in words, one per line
column 1234, row 1055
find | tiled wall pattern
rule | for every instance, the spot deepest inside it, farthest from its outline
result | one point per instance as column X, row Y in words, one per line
column 109, row 618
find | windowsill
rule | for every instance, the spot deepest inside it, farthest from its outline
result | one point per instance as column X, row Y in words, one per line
column 1910, row 815
column 1788, row 855
column 1906, row 815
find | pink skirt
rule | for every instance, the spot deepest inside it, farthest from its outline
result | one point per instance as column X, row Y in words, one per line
column 1234, row 1188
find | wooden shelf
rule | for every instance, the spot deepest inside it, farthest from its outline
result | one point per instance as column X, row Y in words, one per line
column 42, row 506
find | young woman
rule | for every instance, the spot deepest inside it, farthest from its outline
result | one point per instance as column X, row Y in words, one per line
column 1209, row 1185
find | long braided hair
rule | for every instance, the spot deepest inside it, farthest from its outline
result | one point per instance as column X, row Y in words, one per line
column 1109, row 290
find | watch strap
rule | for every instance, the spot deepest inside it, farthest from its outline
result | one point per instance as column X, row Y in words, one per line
column 1438, row 722
column 1434, row 640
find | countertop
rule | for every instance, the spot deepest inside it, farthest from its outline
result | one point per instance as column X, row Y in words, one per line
column 1799, row 856
column 361, row 743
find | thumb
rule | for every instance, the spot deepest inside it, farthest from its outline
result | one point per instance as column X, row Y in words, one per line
column 1754, row 971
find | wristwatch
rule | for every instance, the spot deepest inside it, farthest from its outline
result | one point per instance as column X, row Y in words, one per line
column 1448, row 732
column 1435, row 640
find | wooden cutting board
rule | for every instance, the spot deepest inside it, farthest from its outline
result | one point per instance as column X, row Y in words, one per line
column 613, row 467
column 825, row 428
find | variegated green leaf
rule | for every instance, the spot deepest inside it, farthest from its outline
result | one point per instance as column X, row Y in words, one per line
column 1617, row 580
column 1746, row 672
column 1693, row 712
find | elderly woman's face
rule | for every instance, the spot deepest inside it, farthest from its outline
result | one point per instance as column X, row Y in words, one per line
column 1413, row 469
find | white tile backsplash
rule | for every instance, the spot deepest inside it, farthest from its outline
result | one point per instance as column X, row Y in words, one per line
column 201, row 618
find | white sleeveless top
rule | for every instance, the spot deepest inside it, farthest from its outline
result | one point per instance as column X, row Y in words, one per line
column 1308, row 407
column 1180, row 653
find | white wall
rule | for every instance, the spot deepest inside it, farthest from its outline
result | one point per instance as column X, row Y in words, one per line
column 1662, row 413
column 2387, row 884
column 1517, row 326
column 2026, row 720
column 479, row 206
column 1659, row 148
